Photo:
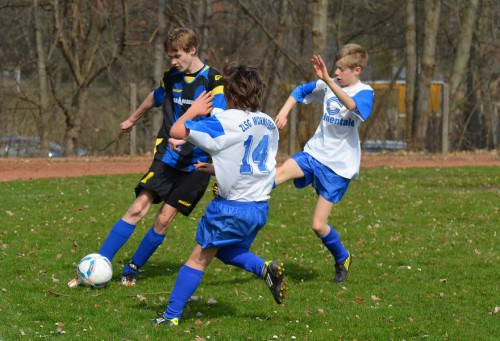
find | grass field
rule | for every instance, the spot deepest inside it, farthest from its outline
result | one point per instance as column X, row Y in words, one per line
column 425, row 246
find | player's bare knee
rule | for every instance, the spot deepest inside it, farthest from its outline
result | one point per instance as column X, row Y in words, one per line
column 162, row 223
column 137, row 211
column 318, row 228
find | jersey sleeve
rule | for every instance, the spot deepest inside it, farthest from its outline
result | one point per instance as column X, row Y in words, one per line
column 309, row 92
column 159, row 95
column 206, row 134
column 219, row 101
column 364, row 103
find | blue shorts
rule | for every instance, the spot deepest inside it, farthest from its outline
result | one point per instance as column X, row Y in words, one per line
column 327, row 183
column 228, row 222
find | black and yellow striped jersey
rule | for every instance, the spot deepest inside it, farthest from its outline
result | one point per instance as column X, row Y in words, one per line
column 175, row 94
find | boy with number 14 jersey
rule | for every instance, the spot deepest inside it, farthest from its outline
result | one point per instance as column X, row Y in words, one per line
column 243, row 143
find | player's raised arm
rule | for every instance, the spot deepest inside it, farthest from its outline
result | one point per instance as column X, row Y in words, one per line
column 320, row 68
column 322, row 73
column 200, row 107
column 281, row 118
column 127, row 125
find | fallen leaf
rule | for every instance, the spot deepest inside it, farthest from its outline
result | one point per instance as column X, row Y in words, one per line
column 358, row 299
column 375, row 298
column 140, row 298
column 495, row 311
column 56, row 293
column 9, row 213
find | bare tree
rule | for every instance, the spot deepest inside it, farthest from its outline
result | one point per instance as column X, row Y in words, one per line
column 411, row 65
column 43, row 85
column 421, row 117
column 462, row 57
column 319, row 26
column 91, row 37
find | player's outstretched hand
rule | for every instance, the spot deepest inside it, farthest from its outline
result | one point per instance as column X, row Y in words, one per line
column 320, row 67
column 203, row 104
column 126, row 126
column 175, row 144
column 205, row 167
column 281, row 120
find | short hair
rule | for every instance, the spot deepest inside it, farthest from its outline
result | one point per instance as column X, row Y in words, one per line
column 353, row 55
column 244, row 86
column 181, row 39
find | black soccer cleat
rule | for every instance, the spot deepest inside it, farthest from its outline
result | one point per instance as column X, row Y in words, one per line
column 129, row 275
column 273, row 276
column 342, row 270
column 166, row 321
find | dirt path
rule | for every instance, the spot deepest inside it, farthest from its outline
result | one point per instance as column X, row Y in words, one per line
column 37, row 168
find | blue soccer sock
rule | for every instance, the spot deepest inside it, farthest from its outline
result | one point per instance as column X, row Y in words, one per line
column 148, row 246
column 186, row 284
column 117, row 237
column 242, row 258
column 333, row 243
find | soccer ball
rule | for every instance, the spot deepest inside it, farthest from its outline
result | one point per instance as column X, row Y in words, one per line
column 94, row 270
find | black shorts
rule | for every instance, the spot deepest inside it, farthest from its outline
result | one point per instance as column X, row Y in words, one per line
column 181, row 190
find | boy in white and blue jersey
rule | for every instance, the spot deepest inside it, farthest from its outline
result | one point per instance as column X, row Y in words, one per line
column 243, row 143
column 331, row 158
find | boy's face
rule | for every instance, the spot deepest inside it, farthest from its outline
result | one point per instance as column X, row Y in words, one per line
column 183, row 60
column 345, row 75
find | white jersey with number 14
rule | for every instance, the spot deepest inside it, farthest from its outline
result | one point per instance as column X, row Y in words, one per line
column 243, row 146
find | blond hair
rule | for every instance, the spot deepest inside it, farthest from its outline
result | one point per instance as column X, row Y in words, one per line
column 181, row 39
column 352, row 56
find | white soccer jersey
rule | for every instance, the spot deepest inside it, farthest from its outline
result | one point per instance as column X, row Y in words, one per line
column 336, row 140
column 243, row 146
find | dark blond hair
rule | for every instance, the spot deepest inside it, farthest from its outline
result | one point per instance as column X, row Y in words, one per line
column 353, row 56
column 243, row 85
column 181, row 39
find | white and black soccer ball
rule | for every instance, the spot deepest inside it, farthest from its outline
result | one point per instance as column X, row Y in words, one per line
column 94, row 270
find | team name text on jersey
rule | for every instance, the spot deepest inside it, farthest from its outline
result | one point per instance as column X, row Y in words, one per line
column 182, row 101
column 338, row 121
column 265, row 122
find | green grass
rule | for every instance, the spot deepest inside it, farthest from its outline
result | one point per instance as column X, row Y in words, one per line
column 426, row 263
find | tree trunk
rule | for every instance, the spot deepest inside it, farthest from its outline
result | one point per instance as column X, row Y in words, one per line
column 432, row 13
column 460, row 63
column 91, row 39
column 411, row 67
column 159, row 63
column 319, row 26
column 43, row 91
column 74, row 119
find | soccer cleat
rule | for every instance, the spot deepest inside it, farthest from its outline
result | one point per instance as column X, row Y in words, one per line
column 169, row 322
column 215, row 189
column 129, row 275
column 273, row 276
column 74, row 282
column 129, row 280
column 342, row 269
